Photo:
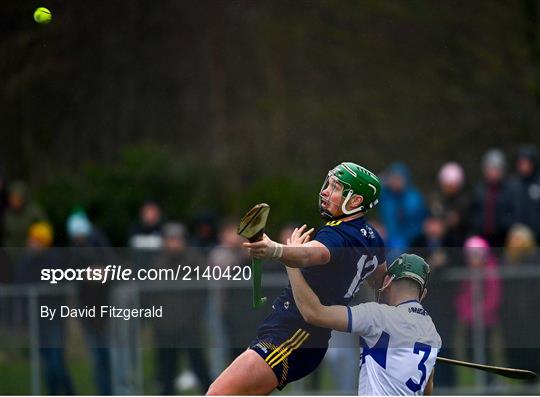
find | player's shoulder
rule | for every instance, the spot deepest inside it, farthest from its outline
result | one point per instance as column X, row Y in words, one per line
column 370, row 233
column 371, row 318
column 356, row 232
column 418, row 317
column 368, row 319
column 334, row 229
column 434, row 333
column 373, row 310
column 330, row 231
column 432, row 336
column 438, row 339
column 334, row 223
column 334, row 226
column 359, row 227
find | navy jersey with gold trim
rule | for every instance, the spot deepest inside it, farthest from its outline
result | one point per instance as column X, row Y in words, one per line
column 356, row 249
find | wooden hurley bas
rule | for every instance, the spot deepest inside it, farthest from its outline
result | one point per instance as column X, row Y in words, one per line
column 252, row 227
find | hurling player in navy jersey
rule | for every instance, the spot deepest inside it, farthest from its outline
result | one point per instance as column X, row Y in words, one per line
column 342, row 254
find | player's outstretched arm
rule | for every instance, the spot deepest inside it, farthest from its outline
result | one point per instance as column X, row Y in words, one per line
column 310, row 253
column 313, row 312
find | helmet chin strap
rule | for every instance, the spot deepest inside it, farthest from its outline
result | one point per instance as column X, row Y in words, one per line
column 328, row 216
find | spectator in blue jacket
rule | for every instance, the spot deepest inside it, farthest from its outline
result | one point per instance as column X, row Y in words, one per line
column 402, row 208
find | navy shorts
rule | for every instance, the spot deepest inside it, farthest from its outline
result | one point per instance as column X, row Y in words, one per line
column 288, row 349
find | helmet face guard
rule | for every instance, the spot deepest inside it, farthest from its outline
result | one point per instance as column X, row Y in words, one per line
column 355, row 180
column 346, row 194
column 325, row 213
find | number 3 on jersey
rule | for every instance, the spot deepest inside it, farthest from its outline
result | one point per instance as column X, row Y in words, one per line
column 426, row 349
column 379, row 351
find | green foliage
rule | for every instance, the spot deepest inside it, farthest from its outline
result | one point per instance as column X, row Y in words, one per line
column 258, row 90
column 112, row 194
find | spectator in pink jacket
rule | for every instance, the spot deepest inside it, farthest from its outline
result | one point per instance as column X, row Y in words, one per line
column 478, row 256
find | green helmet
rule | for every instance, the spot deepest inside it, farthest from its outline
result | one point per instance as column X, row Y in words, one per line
column 410, row 266
column 355, row 180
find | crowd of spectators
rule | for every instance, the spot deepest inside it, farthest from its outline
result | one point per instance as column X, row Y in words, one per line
column 457, row 208
column 485, row 226
column 459, row 223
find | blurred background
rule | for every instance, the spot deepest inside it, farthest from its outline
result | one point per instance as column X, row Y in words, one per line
column 155, row 126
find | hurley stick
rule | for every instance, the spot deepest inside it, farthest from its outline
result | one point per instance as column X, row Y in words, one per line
column 513, row 373
column 252, row 227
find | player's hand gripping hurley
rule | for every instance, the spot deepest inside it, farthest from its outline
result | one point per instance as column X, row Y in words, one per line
column 252, row 227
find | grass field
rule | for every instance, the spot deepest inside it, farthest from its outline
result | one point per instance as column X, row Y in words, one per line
column 15, row 372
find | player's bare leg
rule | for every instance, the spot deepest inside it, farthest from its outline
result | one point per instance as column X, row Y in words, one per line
column 248, row 374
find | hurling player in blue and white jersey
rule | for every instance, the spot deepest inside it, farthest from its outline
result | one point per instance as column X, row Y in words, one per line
column 342, row 254
column 399, row 340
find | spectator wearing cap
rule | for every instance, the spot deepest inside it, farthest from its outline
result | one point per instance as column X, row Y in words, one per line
column 89, row 248
column 181, row 330
column 451, row 203
column 402, row 208
column 525, row 188
column 491, row 211
column 52, row 333
column 480, row 301
column 478, row 255
column 20, row 214
column 38, row 243
column 82, row 232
